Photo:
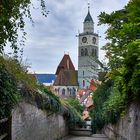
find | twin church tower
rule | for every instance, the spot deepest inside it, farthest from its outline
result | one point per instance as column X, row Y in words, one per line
column 88, row 52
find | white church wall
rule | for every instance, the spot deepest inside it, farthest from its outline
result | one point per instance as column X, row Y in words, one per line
column 66, row 91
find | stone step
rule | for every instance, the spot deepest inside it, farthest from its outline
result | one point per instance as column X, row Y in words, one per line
column 99, row 136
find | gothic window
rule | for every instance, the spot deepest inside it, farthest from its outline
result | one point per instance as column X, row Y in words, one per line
column 58, row 89
column 73, row 92
column 82, row 52
column 93, row 52
column 86, row 51
column 83, row 83
column 70, row 91
column 63, row 91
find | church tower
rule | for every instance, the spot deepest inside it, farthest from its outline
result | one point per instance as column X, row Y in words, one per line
column 87, row 51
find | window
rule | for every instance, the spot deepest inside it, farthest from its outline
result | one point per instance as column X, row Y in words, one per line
column 70, row 91
column 83, row 83
column 82, row 52
column 83, row 73
column 93, row 52
column 73, row 92
column 86, row 51
column 63, row 91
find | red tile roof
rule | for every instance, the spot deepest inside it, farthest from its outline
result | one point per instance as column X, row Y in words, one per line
column 93, row 85
column 65, row 64
column 66, row 78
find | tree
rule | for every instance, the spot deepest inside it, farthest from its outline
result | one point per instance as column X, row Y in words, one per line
column 122, row 85
column 76, row 104
column 122, row 49
column 12, row 14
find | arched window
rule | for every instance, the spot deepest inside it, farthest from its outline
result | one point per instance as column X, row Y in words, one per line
column 58, row 90
column 86, row 51
column 83, row 83
column 73, row 92
column 82, row 52
column 93, row 52
column 63, row 91
column 70, row 91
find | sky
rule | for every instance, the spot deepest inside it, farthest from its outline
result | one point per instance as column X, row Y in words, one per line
column 52, row 37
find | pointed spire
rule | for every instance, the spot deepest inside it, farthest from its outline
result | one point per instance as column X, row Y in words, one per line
column 88, row 17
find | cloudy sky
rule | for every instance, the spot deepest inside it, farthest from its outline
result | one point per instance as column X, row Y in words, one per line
column 51, row 37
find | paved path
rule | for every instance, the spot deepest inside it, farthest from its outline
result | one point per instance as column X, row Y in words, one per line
column 93, row 137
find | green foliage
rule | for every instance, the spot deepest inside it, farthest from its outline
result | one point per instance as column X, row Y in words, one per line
column 47, row 101
column 18, row 70
column 12, row 14
column 8, row 92
column 113, row 107
column 61, row 106
column 76, row 104
column 53, row 102
column 109, row 105
column 12, row 77
column 16, row 84
column 124, row 63
column 122, row 51
column 70, row 113
column 101, row 95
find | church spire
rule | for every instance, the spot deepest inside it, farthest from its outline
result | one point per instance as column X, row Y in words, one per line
column 88, row 18
column 88, row 22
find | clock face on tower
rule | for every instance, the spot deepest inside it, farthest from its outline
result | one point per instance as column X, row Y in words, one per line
column 94, row 40
column 84, row 39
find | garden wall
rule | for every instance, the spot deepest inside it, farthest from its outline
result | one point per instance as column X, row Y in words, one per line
column 31, row 123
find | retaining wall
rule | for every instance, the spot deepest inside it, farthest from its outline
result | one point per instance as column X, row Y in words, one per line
column 127, row 128
column 31, row 123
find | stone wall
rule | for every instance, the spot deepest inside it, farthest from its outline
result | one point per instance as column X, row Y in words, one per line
column 31, row 123
column 127, row 128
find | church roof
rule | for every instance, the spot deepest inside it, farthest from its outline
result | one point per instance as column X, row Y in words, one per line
column 65, row 64
column 45, row 78
column 88, row 18
column 66, row 78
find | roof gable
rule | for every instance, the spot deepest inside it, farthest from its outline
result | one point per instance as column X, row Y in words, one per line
column 65, row 64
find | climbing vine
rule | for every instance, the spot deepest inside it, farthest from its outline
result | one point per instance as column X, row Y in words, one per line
column 8, row 92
